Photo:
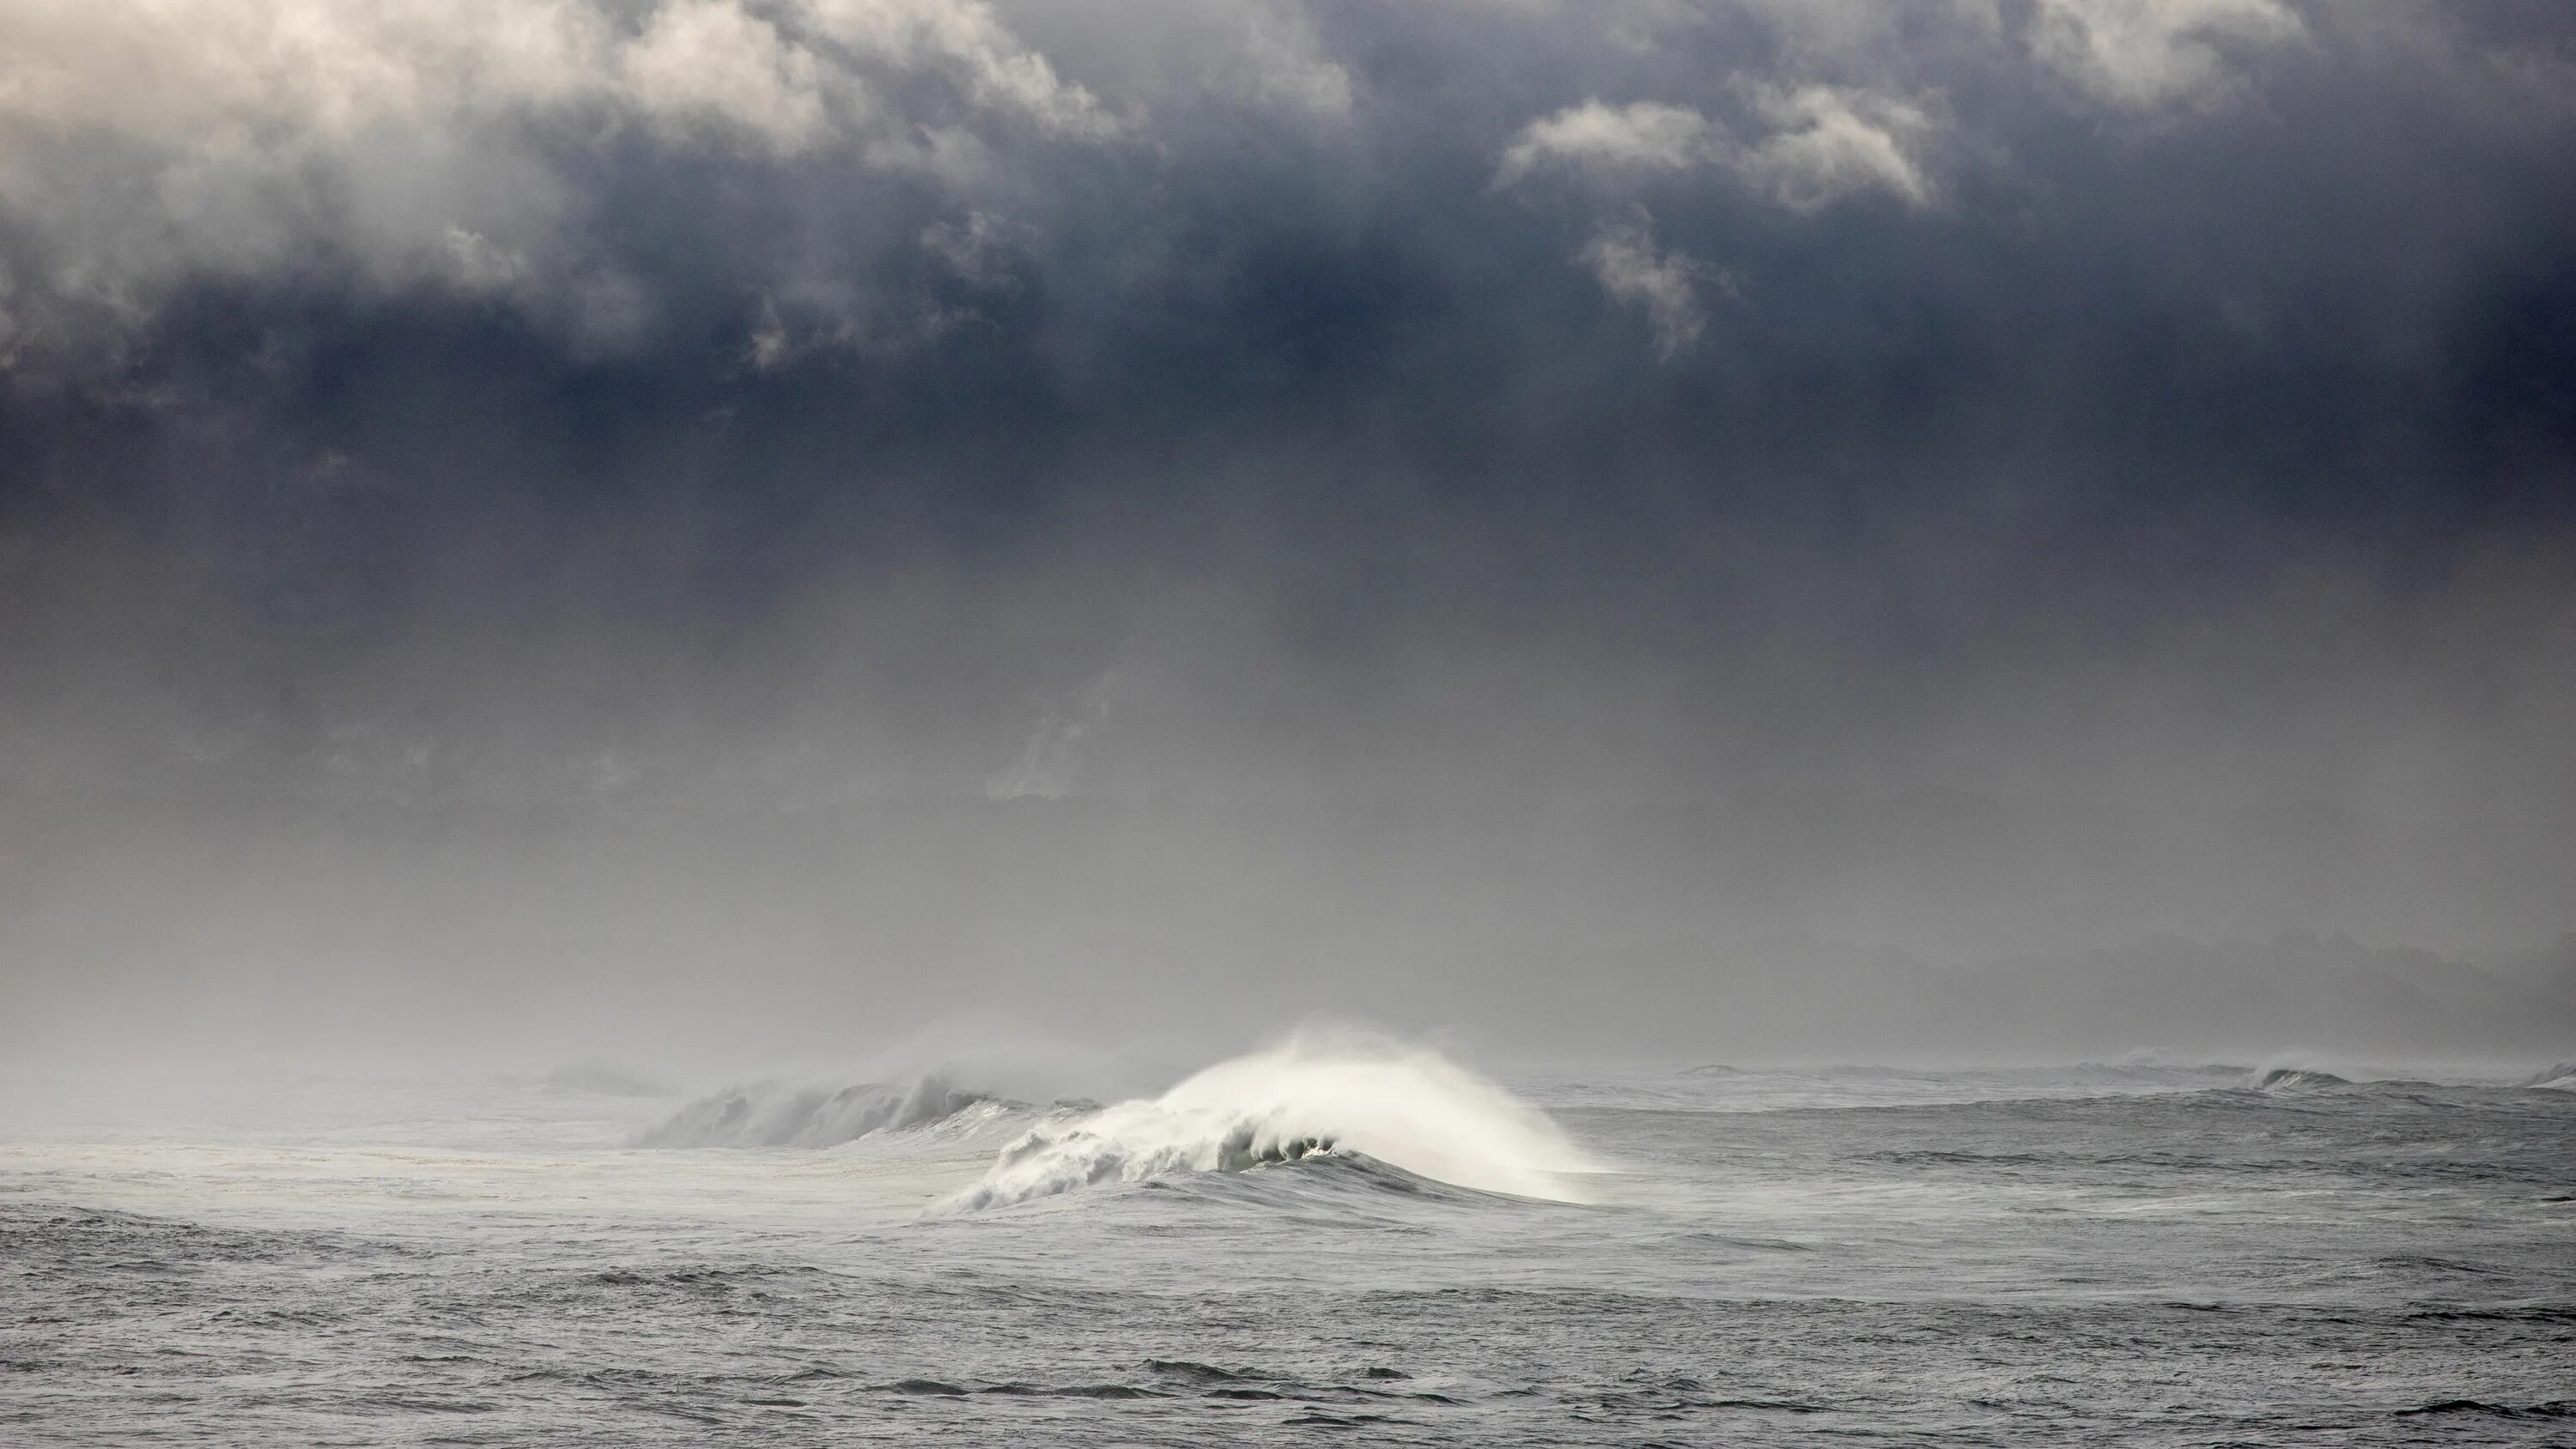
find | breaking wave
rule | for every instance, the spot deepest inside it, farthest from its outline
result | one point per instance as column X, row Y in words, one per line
column 771, row 1114
column 2561, row 1077
column 1407, row 1107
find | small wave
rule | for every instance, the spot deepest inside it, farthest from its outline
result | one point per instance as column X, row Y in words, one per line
column 2298, row 1079
column 775, row 1115
column 1203, row 1374
column 1407, row 1108
column 2560, row 1078
column 2552, row 1409
column 2315, row 1070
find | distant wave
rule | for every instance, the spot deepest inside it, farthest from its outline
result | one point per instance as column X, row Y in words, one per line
column 771, row 1114
column 2561, row 1077
column 2302, row 1070
column 1407, row 1107
column 2298, row 1079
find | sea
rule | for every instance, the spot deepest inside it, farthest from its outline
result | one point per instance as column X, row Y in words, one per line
column 1325, row 1240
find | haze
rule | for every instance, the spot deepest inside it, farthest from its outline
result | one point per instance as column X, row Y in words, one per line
column 706, row 530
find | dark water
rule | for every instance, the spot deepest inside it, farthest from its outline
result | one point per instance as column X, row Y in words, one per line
column 2099, row 1255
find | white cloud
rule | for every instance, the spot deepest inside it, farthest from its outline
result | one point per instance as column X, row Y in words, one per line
column 411, row 142
column 709, row 61
column 1623, row 257
column 1831, row 143
column 200, row 72
column 213, row 72
column 1278, row 59
column 1645, row 136
column 476, row 265
column 1191, row 57
column 981, row 249
column 2147, row 53
column 966, row 40
column 1825, row 143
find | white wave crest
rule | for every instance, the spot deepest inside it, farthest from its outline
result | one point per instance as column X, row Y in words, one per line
column 771, row 1114
column 1406, row 1106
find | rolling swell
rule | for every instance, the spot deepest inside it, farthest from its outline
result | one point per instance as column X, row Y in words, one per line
column 772, row 1114
column 1396, row 1115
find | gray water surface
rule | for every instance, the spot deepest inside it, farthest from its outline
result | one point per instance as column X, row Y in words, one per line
column 2094, row 1255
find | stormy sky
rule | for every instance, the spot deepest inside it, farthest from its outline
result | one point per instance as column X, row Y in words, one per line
column 726, row 524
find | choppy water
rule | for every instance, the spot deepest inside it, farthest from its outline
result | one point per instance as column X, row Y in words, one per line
column 2150, row 1255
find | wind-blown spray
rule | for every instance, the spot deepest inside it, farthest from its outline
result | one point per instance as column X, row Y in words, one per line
column 1406, row 1106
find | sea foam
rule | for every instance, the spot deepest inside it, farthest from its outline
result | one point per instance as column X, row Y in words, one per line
column 1406, row 1106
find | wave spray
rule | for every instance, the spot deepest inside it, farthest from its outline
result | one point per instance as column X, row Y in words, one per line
column 1406, row 1106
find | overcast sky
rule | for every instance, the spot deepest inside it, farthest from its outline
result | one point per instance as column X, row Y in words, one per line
column 902, row 505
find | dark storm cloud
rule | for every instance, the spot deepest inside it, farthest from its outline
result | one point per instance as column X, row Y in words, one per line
column 1960, row 472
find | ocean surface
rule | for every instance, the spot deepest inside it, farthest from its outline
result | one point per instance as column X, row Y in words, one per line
column 1316, row 1243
